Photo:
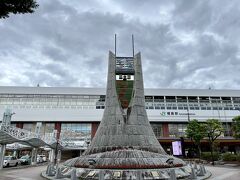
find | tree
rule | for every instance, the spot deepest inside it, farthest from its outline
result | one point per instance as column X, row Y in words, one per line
column 213, row 129
column 16, row 7
column 196, row 132
column 236, row 127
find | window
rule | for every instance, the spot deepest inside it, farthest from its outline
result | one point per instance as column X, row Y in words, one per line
column 28, row 126
column 192, row 99
column 158, row 98
column 170, row 99
column 148, row 98
column 177, row 130
column 182, row 99
column 49, row 127
column 77, row 127
column 75, row 131
column 157, row 129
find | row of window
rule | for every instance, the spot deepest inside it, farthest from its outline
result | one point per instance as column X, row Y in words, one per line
column 179, row 130
column 102, row 107
column 75, row 99
column 174, row 129
column 192, row 108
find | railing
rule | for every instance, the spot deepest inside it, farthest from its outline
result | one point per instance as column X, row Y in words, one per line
column 18, row 133
column 66, row 136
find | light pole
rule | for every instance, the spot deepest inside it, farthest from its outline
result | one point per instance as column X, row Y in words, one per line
column 188, row 115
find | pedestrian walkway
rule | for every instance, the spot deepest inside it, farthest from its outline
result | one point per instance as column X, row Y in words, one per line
column 223, row 173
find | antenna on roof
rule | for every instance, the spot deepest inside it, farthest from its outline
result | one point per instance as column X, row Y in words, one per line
column 115, row 45
column 133, row 44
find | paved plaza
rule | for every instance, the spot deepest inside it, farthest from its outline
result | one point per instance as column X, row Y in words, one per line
column 223, row 173
column 33, row 173
column 30, row 173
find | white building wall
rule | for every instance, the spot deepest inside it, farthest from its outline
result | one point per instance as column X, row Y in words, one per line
column 44, row 114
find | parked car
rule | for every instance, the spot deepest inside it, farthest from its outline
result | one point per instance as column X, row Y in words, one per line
column 10, row 161
column 41, row 158
column 25, row 160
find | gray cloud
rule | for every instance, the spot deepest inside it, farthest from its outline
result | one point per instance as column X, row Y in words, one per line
column 184, row 44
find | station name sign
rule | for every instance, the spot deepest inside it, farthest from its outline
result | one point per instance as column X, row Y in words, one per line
column 176, row 114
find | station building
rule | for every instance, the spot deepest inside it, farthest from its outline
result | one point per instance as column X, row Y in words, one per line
column 81, row 109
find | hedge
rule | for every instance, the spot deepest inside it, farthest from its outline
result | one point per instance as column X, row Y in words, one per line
column 229, row 157
column 207, row 156
column 238, row 157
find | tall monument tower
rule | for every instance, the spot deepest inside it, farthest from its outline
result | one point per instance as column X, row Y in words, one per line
column 125, row 144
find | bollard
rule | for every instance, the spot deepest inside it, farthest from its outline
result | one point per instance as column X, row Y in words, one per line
column 201, row 172
column 101, row 175
column 48, row 169
column 195, row 165
column 193, row 174
column 172, row 175
column 52, row 171
column 139, row 175
column 204, row 170
column 73, row 175
column 59, row 174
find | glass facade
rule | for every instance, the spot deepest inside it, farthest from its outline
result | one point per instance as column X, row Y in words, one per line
column 77, row 127
column 177, row 130
column 75, row 131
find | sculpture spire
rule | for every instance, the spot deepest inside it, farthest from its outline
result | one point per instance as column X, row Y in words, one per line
column 124, row 139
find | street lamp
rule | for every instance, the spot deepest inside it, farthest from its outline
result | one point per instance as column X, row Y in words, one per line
column 188, row 114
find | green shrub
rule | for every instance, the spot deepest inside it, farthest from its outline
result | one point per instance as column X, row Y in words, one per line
column 229, row 157
column 207, row 156
column 238, row 157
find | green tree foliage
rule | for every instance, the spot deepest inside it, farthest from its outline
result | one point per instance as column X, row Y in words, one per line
column 16, row 7
column 236, row 127
column 196, row 132
column 214, row 129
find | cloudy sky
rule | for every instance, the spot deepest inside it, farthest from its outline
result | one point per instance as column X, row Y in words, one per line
column 184, row 44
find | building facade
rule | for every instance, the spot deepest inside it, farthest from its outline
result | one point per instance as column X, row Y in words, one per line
column 81, row 109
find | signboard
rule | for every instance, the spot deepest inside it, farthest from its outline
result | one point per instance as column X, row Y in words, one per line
column 177, row 148
column 124, row 65
column 176, row 114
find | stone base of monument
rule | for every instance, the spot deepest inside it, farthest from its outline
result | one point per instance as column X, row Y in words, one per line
column 190, row 171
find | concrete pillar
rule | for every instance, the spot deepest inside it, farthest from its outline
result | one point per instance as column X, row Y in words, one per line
column 15, row 153
column 34, row 156
column 51, row 155
column 2, row 154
